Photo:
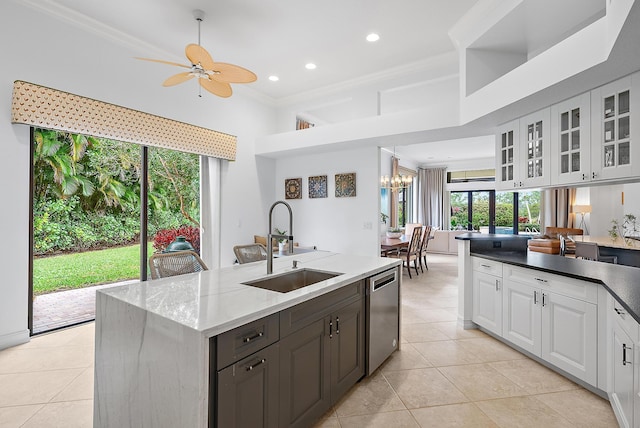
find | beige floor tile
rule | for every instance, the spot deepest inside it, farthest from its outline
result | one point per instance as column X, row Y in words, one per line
column 80, row 389
column 424, row 387
column 41, row 359
column 329, row 420
column 466, row 415
column 445, row 353
column 54, row 339
column 371, row 395
column 581, row 407
column 399, row 419
column 406, row 358
column 522, row 412
column 72, row 414
column 489, row 349
column 424, row 332
column 34, row 388
column 454, row 331
column 18, row 415
column 481, row 382
column 533, row 377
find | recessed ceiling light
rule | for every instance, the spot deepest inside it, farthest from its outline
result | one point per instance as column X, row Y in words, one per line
column 274, row 78
column 373, row 37
column 310, row 66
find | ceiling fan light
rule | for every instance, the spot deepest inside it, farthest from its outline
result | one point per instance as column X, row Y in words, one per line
column 310, row 66
column 274, row 78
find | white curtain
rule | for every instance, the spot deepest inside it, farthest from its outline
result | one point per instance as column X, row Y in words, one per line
column 433, row 199
column 556, row 207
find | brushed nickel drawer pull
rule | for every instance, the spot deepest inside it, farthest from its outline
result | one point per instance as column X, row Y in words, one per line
column 535, row 297
column 253, row 366
column 619, row 311
column 624, row 354
column 254, row 337
column 541, row 280
column 486, row 266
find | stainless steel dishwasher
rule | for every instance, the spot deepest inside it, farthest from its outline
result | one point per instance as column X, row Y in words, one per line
column 383, row 317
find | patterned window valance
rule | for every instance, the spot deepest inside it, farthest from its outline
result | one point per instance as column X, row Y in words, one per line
column 52, row 109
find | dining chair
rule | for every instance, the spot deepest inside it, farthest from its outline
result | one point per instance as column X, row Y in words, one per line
column 412, row 252
column 408, row 228
column 250, row 253
column 163, row 265
column 424, row 242
column 590, row 251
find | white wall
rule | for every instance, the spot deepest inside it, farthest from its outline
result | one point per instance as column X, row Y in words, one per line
column 607, row 204
column 344, row 225
column 42, row 49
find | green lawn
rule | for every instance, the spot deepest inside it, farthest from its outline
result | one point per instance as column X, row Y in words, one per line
column 89, row 268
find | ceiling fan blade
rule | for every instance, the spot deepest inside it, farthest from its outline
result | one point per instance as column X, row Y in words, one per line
column 163, row 62
column 230, row 73
column 220, row 89
column 178, row 78
column 199, row 55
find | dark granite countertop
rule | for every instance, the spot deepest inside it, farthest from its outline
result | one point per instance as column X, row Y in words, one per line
column 623, row 282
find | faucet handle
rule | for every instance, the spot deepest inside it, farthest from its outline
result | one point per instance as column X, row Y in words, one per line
column 295, row 264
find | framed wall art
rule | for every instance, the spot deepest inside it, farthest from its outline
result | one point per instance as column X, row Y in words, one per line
column 293, row 188
column 318, row 186
column 346, row 185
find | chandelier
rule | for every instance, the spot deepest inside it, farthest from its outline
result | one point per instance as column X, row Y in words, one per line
column 397, row 181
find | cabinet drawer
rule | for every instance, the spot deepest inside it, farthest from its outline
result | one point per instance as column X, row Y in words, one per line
column 487, row 266
column 622, row 317
column 582, row 290
column 305, row 313
column 247, row 339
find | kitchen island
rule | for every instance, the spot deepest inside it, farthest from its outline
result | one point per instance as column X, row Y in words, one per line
column 159, row 343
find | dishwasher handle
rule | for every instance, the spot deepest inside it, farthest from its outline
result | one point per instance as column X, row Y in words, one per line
column 380, row 281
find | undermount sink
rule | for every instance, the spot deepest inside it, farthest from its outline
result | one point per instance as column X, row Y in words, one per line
column 290, row 281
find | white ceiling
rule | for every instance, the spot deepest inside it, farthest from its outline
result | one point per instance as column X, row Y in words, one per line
column 445, row 152
column 278, row 37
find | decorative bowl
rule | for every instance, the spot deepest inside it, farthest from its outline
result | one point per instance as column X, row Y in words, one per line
column 394, row 234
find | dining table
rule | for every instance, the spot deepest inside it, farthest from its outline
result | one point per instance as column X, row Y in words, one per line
column 393, row 244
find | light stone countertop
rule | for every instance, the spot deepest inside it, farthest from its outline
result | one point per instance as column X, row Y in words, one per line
column 214, row 301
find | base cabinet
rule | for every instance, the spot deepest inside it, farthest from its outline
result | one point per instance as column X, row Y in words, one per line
column 560, row 329
column 622, row 390
column 319, row 363
column 487, row 301
column 289, row 368
column 251, row 391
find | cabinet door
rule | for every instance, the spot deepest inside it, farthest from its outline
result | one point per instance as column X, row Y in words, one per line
column 571, row 141
column 569, row 335
column 305, row 375
column 347, row 348
column 622, row 395
column 535, row 153
column 487, row 301
column 614, row 129
column 507, row 172
column 521, row 316
column 248, row 391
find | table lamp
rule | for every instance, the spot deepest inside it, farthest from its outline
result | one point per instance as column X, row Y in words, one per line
column 582, row 210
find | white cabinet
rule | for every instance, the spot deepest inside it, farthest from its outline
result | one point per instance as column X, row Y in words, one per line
column 535, row 153
column 523, row 152
column 614, row 152
column 571, row 140
column 554, row 318
column 487, row 294
column 507, row 156
column 623, row 393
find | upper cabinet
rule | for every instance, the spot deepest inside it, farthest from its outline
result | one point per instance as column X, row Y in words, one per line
column 585, row 139
column 523, row 153
column 613, row 154
column 507, row 155
column 571, row 140
column 535, row 149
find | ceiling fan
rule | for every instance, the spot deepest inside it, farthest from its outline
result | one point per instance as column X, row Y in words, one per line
column 214, row 77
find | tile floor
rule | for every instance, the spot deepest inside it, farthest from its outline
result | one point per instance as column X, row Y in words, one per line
column 442, row 377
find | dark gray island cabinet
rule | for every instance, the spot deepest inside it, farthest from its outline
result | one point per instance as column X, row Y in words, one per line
column 298, row 371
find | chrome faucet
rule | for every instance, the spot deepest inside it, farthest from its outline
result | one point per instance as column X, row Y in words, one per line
column 270, row 235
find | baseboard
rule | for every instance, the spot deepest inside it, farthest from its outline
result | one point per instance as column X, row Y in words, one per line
column 467, row 324
column 13, row 339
